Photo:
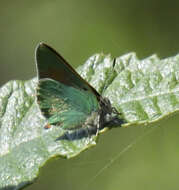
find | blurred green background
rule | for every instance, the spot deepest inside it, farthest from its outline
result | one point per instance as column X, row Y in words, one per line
column 78, row 29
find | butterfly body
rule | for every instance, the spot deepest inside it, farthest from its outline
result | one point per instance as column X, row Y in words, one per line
column 67, row 100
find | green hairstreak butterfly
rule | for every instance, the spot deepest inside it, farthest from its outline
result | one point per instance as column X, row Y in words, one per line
column 66, row 99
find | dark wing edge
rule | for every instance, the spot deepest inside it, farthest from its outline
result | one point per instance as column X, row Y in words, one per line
column 42, row 75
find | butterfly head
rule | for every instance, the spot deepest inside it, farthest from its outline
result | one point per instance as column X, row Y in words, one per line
column 109, row 116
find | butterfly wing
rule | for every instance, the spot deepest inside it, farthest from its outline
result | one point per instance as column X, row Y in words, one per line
column 63, row 96
column 52, row 65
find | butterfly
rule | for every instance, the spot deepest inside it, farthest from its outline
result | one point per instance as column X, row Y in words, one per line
column 66, row 99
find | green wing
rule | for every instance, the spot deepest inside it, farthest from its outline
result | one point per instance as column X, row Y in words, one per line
column 64, row 105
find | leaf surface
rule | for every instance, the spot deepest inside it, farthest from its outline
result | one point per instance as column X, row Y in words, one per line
column 144, row 91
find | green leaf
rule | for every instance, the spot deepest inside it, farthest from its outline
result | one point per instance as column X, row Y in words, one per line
column 143, row 91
